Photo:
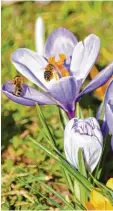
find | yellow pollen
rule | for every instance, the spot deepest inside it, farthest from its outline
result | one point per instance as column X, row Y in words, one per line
column 61, row 60
column 51, row 60
column 62, row 56
column 59, row 64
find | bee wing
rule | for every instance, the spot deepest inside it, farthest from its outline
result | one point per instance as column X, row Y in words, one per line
column 23, row 79
column 11, row 82
column 41, row 69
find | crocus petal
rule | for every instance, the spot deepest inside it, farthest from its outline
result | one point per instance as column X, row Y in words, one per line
column 84, row 56
column 31, row 65
column 109, row 107
column 39, row 36
column 61, row 40
column 101, row 116
column 65, row 91
column 84, row 134
column 28, row 97
column 109, row 117
column 99, row 80
column 109, row 92
column 104, row 127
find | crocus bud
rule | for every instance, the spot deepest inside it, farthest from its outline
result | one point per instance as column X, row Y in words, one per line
column 84, row 134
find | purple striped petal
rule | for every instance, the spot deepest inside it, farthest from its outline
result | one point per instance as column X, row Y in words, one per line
column 84, row 134
column 109, row 107
column 99, row 80
column 84, row 56
column 28, row 96
column 65, row 91
column 61, row 40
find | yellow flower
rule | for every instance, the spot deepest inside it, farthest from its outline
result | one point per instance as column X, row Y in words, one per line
column 109, row 183
column 98, row 201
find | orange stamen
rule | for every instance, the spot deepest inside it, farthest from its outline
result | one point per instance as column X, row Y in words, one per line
column 62, row 56
column 52, row 60
column 62, row 59
column 64, row 72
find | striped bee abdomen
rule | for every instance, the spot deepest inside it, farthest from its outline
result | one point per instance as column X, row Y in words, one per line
column 48, row 75
column 18, row 91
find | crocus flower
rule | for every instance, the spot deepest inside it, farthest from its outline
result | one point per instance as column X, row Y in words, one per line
column 84, row 134
column 39, row 36
column 108, row 102
column 98, row 201
column 72, row 62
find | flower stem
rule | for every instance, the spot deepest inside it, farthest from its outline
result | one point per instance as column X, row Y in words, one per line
column 71, row 114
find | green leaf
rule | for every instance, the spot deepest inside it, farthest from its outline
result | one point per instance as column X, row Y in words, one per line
column 82, row 170
column 81, row 113
column 102, row 111
column 68, row 179
column 44, row 124
column 77, row 190
column 81, row 163
column 73, row 172
column 77, row 110
column 90, row 112
column 63, row 118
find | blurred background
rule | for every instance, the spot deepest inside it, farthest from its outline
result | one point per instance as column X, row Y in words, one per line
column 18, row 26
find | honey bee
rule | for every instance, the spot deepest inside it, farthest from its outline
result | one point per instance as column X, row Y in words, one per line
column 49, row 72
column 18, row 82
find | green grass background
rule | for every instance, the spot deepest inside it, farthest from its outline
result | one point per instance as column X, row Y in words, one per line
column 18, row 22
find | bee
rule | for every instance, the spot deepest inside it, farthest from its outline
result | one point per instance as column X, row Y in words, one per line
column 18, row 82
column 49, row 72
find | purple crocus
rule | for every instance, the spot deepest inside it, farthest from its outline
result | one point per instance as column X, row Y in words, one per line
column 84, row 134
column 109, row 109
column 72, row 62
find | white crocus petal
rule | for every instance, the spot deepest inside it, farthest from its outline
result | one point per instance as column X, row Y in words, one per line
column 84, row 56
column 84, row 134
column 32, row 66
column 39, row 36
